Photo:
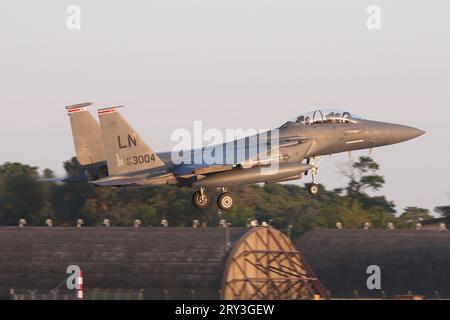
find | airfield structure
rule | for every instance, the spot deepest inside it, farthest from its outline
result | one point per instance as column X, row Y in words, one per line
column 410, row 262
column 154, row 263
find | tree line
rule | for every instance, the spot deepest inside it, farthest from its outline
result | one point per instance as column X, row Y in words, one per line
column 23, row 195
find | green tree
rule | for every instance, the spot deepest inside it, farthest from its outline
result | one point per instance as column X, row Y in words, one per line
column 16, row 169
column 240, row 215
column 353, row 216
column 444, row 211
column 363, row 177
column 72, row 167
column 20, row 195
column 48, row 174
column 412, row 215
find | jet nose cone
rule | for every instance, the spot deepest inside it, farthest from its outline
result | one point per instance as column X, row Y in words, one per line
column 401, row 133
column 418, row 132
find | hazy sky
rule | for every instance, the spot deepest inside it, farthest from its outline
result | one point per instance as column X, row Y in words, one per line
column 232, row 64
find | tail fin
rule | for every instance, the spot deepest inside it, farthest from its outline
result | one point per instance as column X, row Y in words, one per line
column 86, row 135
column 126, row 152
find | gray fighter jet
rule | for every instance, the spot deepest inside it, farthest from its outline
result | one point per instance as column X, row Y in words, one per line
column 113, row 154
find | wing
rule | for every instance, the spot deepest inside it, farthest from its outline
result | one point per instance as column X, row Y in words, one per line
column 288, row 150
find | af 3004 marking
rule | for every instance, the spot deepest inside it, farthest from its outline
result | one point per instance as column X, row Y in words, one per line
column 140, row 159
column 146, row 158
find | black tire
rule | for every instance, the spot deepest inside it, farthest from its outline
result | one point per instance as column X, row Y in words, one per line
column 313, row 189
column 199, row 201
column 225, row 201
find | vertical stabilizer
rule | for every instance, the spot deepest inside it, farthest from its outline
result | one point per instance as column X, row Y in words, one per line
column 86, row 135
column 126, row 151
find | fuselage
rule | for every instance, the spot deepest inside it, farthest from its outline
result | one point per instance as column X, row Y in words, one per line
column 326, row 139
column 240, row 161
column 269, row 156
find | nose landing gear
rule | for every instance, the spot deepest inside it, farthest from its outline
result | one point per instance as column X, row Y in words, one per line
column 313, row 188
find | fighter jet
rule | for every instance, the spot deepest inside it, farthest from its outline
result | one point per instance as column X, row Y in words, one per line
column 112, row 153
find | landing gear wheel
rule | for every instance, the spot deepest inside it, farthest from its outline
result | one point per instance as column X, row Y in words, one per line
column 313, row 188
column 225, row 201
column 200, row 199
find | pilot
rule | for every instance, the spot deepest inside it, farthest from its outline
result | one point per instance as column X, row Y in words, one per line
column 301, row 119
column 331, row 118
column 307, row 120
column 346, row 117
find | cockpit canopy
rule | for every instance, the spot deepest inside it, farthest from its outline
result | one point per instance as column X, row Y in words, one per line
column 325, row 116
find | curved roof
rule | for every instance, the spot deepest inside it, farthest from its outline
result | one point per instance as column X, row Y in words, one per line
column 178, row 260
column 410, row 260
column 265, row 265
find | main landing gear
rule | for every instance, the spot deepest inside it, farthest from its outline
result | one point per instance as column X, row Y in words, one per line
column 201, row 199
column 313, row 188
column 225, row 200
